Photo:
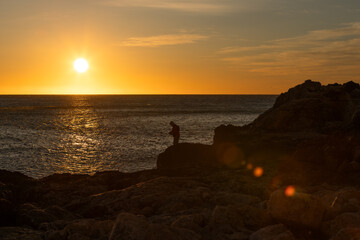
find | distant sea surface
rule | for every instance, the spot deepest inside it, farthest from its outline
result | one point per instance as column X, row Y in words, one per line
column 42, row 135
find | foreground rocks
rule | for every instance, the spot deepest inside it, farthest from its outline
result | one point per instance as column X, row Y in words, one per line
column 221, row 204
column 291, row 174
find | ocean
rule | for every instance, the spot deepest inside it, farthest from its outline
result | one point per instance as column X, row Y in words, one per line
column 42, row 135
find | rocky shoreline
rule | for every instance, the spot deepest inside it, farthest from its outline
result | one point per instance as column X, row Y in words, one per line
column 294, row 173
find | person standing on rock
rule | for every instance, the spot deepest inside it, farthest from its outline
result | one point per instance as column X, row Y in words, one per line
column 175, row 132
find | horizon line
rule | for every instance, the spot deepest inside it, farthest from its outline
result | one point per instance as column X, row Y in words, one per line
column 134, row 94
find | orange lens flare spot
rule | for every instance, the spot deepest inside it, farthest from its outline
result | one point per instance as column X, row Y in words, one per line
column 290, row 191
column 249, row 166
column 232, row 157
column 258, row 171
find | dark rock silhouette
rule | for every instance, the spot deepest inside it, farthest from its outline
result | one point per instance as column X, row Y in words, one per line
column 308, row 107
column 187, row 155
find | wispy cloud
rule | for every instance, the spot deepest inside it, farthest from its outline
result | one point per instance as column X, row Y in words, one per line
column 211, row 6
column 331, row 51
column 200, row 6
column 282, row 7
column 163, row 40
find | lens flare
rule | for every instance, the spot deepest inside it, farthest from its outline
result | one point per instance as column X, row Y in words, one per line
column 258, row 171
column 249, row 166
column 290, row 191
column 232, row 156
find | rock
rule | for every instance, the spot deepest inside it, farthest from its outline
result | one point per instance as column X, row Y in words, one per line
column 273, row 232
column 351, row 86
column 230, row 198
column 308, row 108
column 301, row 209
column 308, row 114
column 226, row 219
column 163, row 194
column 33, row 216
column 161, row 231
column 188, row 156
column 255, row 218
column 7, row 216
column 16, row 233
column 133, row 227
column 14, row 178
column 60, row 213
column 87, row 229
column 330, row 152
column 345, row 220
column 341, row 201
column 14, row 186
column 98, row 205
column 308, row 89
column 347, row 234
column 5, row 191
column 129, row 226
column 192, row 222
column 55, row 235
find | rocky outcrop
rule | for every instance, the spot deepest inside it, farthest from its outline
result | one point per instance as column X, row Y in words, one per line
column 187, row 156
column 311, row 107
column 307, row 108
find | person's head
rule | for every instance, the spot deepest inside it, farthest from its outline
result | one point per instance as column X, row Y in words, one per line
column 172, row 123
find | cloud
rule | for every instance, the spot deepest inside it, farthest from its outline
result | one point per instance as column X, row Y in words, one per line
column 200, row 6
column 163, row 40
column 334, row 52
column 209, row 6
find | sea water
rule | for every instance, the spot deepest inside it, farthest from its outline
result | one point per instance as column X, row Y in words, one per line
column 42, row 135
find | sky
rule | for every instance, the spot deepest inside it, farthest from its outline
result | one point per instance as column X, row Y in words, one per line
column 176, row 46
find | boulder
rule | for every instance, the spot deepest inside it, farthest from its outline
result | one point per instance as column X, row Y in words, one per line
column 300, row 209
column 129, row 226
column 345, row 220
column 187, row 156
column 226, row 219
column 231, row 198
column 87, row 229
column 340, row 201
column 161, row 231
column 60, row 213
column 347, row 234
column 273, row 232
column 30, row 215
column 15, row 233
column 192, row 222
column 255, row 218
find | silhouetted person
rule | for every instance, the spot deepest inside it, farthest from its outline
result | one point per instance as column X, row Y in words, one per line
column 175, row 132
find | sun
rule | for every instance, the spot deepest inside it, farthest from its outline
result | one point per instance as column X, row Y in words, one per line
column 81, row 65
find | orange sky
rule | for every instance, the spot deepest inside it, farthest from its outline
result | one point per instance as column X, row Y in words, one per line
column 176, row 47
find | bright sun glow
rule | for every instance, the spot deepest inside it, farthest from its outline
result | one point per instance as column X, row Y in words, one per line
column 81, row 65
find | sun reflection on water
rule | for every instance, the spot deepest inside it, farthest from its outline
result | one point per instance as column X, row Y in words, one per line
column 80, row 142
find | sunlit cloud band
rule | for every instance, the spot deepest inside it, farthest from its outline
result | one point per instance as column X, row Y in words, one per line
column 163, row 40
